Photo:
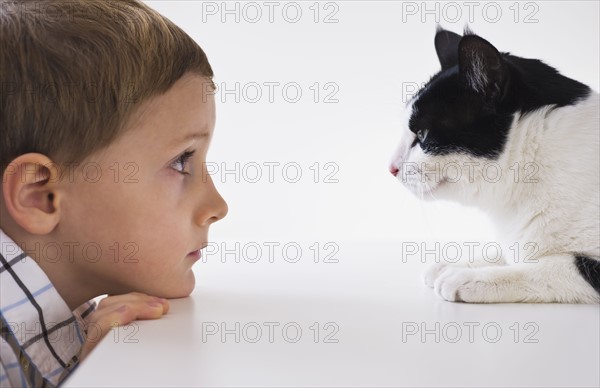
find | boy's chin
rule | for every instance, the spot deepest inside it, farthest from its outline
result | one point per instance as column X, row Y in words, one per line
column 179, row 288
column 184, row 288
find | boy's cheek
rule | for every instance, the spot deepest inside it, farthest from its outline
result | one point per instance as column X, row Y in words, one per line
column 140, row 232
column 158, row 276
column 130, row 222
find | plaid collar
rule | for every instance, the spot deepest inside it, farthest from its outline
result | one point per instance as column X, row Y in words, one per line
column 41, row 336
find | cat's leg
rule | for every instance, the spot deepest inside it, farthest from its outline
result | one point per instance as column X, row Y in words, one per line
column 551, row 279
column 435, row 270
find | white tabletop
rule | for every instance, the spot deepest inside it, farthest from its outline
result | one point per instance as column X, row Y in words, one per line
column 370, row 311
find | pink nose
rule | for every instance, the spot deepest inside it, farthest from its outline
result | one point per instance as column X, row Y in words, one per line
column 394, row 170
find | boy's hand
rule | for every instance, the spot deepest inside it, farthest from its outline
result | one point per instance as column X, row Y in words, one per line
column 120, row 310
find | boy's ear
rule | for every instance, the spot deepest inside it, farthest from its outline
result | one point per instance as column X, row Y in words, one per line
column 31, row 192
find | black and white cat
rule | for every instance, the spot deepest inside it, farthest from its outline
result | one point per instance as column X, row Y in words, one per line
column 520, row 141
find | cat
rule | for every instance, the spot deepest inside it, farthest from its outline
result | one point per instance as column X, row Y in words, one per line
column 518, row 140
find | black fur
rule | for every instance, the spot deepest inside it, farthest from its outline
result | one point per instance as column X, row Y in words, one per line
column 590, row 270
column 460, row 114
column 446, row 44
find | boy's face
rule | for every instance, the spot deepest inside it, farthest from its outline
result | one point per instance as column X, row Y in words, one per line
column 140, row 225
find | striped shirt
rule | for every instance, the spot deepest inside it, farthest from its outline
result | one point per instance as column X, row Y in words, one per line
column 41, row 338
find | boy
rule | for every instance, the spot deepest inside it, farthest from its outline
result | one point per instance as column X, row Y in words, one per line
column 105, row 120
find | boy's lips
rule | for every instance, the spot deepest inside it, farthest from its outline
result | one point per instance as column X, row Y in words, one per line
column 196, row 255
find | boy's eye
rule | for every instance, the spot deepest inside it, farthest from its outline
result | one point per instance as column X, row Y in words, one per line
column 181, row 163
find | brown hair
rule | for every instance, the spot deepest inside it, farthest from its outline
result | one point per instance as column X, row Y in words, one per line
column 73, row 72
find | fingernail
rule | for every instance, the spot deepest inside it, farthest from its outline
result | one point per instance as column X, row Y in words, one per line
column 155, row 304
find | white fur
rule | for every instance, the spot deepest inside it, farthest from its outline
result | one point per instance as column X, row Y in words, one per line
column 557, row 214
column 477, row 77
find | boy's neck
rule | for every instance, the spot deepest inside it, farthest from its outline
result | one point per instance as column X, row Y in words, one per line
column 62, row 272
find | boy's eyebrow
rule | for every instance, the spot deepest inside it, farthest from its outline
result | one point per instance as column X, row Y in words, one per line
column 192, row 135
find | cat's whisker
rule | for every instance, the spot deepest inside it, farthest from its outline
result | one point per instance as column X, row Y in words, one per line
column 429, row 190
column 423, row 188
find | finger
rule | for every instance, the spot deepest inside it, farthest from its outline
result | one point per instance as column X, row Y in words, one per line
column 129, row 297
column 122, row 314
column 103, row 320
column 132, row 297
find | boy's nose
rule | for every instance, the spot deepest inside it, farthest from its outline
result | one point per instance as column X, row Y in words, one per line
column 212, row 207
column 221, row 209
column 218, row 207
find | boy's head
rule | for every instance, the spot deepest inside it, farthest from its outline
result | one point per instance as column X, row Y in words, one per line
column 106, row 114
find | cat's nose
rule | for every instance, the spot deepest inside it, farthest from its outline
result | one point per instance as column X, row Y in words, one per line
column 394, row 170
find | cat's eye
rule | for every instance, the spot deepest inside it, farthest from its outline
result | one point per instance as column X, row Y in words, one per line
column 422, row 135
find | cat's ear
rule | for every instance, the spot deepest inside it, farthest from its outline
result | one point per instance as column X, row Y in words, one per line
column 481, row 67
column 446, row 47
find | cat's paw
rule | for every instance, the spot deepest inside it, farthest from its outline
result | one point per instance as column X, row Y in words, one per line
column 462, row 284
column 433, row 272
